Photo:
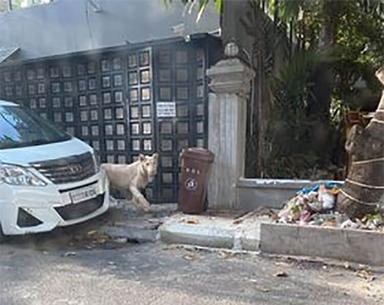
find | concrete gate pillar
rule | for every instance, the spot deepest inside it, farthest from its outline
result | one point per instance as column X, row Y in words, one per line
column 230, row 86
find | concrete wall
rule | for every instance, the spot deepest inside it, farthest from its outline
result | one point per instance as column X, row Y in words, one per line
column 269, row 193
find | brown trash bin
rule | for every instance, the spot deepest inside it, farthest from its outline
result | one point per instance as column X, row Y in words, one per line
column 195, row 168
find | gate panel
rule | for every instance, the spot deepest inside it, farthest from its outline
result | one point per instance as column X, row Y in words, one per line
column 179, row 83
column 140, row 106
column 122, row 102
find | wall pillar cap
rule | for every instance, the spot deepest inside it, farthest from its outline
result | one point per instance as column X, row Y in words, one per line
column 231, row 76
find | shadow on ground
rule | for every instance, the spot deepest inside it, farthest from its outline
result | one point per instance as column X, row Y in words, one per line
column 98, row 232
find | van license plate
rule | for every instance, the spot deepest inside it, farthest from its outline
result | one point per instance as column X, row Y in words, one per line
column 83, row 194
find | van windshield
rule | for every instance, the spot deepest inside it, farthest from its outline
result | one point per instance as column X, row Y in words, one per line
column 20, row 127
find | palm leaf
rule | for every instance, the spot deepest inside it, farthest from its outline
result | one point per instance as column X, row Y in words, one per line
column 218, row 4
column 202, row 7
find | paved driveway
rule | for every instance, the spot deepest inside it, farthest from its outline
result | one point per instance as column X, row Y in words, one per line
column 78, row 266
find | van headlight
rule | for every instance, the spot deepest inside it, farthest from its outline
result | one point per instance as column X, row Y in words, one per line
column 16, row 175
column 96, row 161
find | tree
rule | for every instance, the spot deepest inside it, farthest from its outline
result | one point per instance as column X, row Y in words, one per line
column 363, row 191
column 333, row 49
column 202, row 5
column 16, row 4
column 4, row 5
column 349, row 36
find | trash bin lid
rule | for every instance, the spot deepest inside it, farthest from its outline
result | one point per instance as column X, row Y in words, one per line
column 199, row 154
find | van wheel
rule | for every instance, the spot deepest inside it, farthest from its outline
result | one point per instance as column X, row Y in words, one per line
column 2, row 236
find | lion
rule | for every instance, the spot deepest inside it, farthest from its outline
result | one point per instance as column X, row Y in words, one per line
column 134, row 177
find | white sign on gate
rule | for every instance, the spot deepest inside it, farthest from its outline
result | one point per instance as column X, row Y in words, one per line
column 166, row 109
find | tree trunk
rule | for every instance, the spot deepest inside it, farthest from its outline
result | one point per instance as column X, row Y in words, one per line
column 363, row 191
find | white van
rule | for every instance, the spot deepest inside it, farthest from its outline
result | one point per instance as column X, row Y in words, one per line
column 47, row 177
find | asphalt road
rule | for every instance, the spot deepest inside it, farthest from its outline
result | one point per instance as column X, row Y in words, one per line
column 79, row 267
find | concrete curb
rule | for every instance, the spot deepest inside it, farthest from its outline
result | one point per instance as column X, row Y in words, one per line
column 365, row 247
column 212, row 232
column 358, row 246
column 200, row 236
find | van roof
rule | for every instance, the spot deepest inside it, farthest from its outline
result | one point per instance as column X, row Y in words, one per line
column 6, row 103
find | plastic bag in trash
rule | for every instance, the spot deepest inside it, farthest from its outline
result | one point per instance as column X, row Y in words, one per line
column 327, row 199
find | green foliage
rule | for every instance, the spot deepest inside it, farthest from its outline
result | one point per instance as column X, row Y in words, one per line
column 360, row 45
column 202, row 5
column 290, row 127
column 285, row 10
column 3, row 6
column 352, row 32
column 16, row 4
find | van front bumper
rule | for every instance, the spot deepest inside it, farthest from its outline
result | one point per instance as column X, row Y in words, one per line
column 25, row 210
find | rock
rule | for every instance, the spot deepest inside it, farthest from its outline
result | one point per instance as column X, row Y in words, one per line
column 281, row 274
column 349, row 224
column 120, row 240
column 132, row 234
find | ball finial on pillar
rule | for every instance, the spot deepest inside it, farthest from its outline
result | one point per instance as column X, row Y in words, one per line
column 231, row 49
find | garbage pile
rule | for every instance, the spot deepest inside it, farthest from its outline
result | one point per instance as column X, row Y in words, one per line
column 317, row 206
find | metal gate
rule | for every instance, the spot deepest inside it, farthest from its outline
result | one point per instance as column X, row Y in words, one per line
column 123, row 102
